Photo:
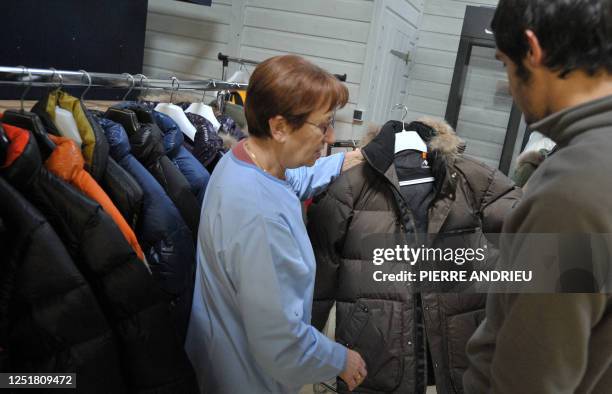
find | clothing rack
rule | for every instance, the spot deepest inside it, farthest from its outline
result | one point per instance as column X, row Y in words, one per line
column 225, row 59
column 23, row 76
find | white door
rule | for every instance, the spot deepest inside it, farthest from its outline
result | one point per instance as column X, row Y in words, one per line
column 396, row 42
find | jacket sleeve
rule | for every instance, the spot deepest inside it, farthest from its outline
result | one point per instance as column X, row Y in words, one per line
column 309, row 181
column 548, row 336
column 328, row 220
column 270, row 288
column 194, row 172
column 499, row 198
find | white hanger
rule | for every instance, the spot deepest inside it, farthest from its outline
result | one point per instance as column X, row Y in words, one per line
column 64, row 120
column 408, row 139
column 405, row 140
column 177, row 114
column 241, row 75
column 205, row 111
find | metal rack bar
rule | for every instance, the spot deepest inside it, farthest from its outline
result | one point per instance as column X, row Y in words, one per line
column 227, row 59
column 45, row 77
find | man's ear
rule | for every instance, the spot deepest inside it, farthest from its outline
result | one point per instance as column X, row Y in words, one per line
column 535, row 55
column 279, row 129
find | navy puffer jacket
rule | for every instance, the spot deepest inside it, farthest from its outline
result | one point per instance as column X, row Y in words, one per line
column 190, row 167
column 146, row 140
column 163, row 235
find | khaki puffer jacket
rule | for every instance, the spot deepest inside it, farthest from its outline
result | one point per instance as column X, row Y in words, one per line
column 391, row 323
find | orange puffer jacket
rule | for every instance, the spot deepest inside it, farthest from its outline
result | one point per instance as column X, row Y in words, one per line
column 67, row 162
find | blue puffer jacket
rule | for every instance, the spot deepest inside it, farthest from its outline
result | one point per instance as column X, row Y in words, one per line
column 163, row 235
column 194, row 171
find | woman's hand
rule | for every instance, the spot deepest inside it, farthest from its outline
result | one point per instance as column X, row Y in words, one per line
column 351, row 159
column 355, row 371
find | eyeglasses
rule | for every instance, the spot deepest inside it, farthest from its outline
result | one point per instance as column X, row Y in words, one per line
column 324, row 127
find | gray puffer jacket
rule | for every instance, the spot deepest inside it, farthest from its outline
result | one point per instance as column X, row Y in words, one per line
column 392, row 324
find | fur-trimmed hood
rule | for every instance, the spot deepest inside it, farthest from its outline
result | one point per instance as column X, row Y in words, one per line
column 442, row 139
column 444, row 148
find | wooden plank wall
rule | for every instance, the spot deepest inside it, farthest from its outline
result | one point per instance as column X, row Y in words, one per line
column 330, row 33
column 183, row 39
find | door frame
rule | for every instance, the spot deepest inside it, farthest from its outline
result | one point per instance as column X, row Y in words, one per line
column 475, row 33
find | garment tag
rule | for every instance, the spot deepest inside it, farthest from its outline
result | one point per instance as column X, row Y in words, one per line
column 425, row 163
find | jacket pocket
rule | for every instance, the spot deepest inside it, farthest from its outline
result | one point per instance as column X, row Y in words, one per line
column 459, row 329
column 376, row 330
column 468, row 237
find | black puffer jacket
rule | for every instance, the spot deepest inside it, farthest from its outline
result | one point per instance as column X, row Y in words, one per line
column 386, row 321
column 42, row 296
column 124, row 192
column 146, row 140
column 121, row 188
column 151, row 355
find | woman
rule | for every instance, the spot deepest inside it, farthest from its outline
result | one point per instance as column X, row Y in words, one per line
column 250, row 323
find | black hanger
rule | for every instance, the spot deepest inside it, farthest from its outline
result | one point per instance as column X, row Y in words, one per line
column 142, row 111
column 125, row 118
column 4, row 144
column 30, row 121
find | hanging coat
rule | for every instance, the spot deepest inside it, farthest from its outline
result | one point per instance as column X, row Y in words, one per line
column 152, row 358
column 95, row 151
column 207, row 145
column 163, row 234
column 42, row 295
column 123, row 191
column 146, row 140
column 190, row 167
column 389, row 324
column 67, row 163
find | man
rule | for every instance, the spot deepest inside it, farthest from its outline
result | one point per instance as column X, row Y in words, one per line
column 558, row 55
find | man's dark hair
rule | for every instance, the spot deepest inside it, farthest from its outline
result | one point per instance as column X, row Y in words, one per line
column 574, row 34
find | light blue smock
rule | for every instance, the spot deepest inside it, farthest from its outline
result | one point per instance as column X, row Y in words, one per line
column 250, row 326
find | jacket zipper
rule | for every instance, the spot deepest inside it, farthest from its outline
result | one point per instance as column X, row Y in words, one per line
column 408, row 211
column 415, row 343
